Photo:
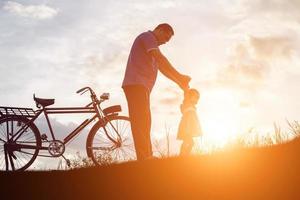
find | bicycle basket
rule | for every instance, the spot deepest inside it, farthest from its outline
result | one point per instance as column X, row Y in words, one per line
column 112, row 110
column 13, row 111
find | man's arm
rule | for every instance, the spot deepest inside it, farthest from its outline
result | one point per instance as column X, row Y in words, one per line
column 168, row 70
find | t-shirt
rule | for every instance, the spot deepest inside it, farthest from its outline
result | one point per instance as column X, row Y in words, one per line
column 141, row 66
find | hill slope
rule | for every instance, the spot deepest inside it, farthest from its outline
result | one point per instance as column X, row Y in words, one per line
column 262, row 173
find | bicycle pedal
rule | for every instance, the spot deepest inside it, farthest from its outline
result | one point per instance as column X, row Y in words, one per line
column 68, row 162
column 44, row 137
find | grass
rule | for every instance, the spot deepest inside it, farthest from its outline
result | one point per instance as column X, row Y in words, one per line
column 270, row 172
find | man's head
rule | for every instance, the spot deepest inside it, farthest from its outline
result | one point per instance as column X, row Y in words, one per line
column 163, row 33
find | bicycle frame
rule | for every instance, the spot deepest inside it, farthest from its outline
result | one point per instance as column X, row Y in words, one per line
column 63, row 110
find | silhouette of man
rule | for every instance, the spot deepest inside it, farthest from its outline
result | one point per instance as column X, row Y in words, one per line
column 144, row 61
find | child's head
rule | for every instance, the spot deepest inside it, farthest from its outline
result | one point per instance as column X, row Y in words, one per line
column 191, row 96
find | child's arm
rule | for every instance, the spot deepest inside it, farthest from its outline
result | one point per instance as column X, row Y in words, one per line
column 181, row 108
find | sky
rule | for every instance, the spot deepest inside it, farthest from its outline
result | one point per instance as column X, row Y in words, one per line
column 243, row 57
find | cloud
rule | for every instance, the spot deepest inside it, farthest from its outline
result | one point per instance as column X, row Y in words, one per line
column 103, row 62
column 172, row 96
column 278, row 6
column 272, row 43
column 166, row 101
column 31, row 11
column 253, row 59
column 285, row 9
column 170, row 101
column 272, row 47
column 244, row 69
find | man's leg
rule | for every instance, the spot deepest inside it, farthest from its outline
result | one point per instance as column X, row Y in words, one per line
column 140, row 116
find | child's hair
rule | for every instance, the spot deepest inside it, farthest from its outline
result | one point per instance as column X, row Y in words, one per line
column 191, row 94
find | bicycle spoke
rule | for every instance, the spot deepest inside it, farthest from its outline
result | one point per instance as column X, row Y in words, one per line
column 119, row 132
column 123, row 154
column 24, row 153
column 2, row 161
column 2, row 131
column 11, row 162
column 12, row 127
column 29, row 138
column 7, row 130
column 6, row 159
column 22, row 160
column 20, row 153
column 24, row 134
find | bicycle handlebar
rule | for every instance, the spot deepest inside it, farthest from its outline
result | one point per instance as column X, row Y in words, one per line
column 85, row 89
column 93, row 95
column 103, row 97
column 82, row 89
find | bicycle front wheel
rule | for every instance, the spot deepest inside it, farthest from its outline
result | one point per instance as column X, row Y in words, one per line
column 18, row 151
column 111, row 141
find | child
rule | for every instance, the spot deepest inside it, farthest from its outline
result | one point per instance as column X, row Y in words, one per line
column 189, row 125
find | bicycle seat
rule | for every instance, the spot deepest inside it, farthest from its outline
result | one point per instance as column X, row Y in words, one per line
column 43, row 102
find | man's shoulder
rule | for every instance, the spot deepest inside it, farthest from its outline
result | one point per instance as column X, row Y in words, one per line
column 145, row 35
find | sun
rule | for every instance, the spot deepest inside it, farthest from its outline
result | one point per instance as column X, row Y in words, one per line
column 220, row 117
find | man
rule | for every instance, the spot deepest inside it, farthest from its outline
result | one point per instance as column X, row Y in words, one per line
column 144, row 61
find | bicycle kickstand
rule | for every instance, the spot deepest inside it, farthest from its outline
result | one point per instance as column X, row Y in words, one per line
column 67, row 160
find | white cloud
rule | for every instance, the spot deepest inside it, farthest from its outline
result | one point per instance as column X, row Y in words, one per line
column 32, row 11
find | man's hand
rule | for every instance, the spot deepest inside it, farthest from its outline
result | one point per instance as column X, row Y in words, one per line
column 169, row 71
column 183, row 82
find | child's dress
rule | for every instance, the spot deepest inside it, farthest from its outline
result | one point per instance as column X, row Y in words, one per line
column 189, row 125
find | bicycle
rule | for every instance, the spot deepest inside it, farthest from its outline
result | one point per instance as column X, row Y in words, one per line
column 21, row 141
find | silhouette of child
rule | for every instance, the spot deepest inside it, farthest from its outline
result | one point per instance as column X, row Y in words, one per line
column 189, row 125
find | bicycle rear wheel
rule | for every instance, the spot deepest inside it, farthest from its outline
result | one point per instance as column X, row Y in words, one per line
column 18, row 153
column 111, row 142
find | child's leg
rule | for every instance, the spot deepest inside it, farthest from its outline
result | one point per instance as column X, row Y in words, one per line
column 182, row 148
column 186, row 146
column 189, row 146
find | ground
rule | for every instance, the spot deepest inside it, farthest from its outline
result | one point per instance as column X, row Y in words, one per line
column 253, row 173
